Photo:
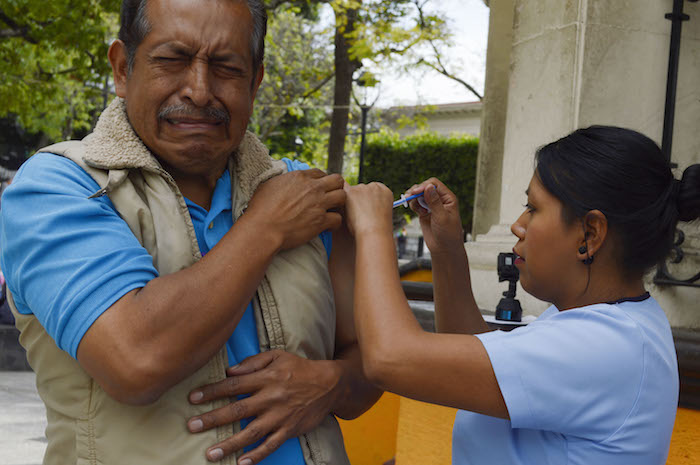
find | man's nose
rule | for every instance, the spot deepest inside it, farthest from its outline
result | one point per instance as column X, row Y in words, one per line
column 197, row 86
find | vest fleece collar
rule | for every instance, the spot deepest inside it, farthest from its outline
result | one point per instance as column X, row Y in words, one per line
column 114, row 145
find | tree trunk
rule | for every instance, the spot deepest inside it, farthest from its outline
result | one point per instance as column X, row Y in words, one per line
column 344, row 70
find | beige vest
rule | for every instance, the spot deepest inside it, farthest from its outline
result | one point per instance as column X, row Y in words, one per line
column 294, row 311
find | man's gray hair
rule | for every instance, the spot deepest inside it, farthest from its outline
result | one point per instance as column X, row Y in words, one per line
column 135, row 26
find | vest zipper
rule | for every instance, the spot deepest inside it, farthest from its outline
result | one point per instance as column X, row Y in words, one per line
column 312, row 454
column 99, row 193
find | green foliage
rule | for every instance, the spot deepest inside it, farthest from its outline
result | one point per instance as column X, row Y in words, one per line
column 303, row 137
column 53, row 62
column 389, row 29
column 402, row 162
column 292, row 101
column 370, row 34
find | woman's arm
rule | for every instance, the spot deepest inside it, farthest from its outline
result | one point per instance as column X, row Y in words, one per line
column 455, row 307
column 447, row 369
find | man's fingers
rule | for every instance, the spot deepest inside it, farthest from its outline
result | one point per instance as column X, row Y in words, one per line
column 334, row 199
column 230, row 413
column 229, row 387
column 332, row 182
column 314, row 173
column 255, row 431
column 242, row 379
column 253, row 363
column 271, row 444
column 333, row 221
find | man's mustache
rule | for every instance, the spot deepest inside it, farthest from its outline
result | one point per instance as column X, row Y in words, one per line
column 206, row 113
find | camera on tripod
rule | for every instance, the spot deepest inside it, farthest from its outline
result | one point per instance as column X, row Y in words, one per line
column 508, row 309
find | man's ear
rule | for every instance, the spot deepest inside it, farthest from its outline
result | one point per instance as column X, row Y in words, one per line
column 120, row 66
column 595, row 230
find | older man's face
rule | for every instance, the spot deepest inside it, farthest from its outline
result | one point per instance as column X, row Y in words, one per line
column 190, row 93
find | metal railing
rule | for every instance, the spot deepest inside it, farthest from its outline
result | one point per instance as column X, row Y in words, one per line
column 663, row 275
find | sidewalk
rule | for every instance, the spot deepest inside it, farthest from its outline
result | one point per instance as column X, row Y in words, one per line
column 22, row 420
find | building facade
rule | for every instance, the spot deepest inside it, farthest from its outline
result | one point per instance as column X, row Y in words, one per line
column 554, row 66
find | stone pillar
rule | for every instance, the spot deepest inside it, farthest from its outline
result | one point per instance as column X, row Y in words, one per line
column 489, row 171
column 576, row 63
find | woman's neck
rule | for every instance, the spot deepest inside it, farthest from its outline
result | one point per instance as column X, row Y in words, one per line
column 603, row 290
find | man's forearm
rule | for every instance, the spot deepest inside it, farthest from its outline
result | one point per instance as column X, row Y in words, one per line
column 173, row 325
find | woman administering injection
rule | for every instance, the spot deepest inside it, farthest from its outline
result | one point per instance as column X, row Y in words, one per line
column 594, row 379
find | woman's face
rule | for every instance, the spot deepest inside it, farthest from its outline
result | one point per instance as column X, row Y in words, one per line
column 547, row 247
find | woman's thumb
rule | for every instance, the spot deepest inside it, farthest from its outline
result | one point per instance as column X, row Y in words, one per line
column 432, row 198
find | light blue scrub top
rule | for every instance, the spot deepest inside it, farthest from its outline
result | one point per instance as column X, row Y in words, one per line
column 76, row 256
column 592, row 385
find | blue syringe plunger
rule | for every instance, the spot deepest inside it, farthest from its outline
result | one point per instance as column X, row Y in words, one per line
column 404, row 200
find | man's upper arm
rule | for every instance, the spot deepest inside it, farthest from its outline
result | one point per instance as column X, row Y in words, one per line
column 66, row 258
column 341, row 266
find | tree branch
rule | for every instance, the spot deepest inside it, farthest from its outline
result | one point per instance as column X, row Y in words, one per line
column 15, row 30
column 318, row 87
column 445, row 73
column 440, row 67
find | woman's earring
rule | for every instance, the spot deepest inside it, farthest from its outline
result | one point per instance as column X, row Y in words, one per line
column 588, row 260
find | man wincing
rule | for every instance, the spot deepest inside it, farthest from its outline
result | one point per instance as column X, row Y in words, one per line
column 176, row 288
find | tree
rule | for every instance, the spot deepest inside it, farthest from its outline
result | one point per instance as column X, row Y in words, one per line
column 292, row 101
column 55, row 78
column 367, row 31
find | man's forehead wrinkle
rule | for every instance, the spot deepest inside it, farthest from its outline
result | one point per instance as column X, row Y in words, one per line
column 211, row 39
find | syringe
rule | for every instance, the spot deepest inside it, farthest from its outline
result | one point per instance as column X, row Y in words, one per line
column 404, row 200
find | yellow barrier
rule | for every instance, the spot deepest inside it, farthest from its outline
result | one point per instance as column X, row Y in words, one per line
column 409, row 430
column 371, row 439
column 424, row 434
column 685, row 442
column 416, row 432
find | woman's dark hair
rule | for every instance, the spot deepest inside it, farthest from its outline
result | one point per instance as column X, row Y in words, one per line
column 625, row 175
column 135, row 26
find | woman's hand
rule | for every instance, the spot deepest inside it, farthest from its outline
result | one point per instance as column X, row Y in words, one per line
column 368, row 209
column 442, row 225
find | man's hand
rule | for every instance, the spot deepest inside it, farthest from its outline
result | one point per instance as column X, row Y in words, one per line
column 298, row 206
column 290, row 396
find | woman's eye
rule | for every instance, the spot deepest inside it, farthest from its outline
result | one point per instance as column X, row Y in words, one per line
column 529, row 208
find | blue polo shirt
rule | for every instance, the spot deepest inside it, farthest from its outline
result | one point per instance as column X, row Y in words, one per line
column 591, row 385
column 67, row 258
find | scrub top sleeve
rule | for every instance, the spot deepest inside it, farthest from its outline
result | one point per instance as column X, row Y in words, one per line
column 66, row 258
column 578, row 372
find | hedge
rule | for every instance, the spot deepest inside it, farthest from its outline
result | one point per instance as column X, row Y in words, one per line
column 400, row 162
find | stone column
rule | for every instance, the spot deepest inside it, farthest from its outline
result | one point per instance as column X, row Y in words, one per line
column 489, row 171
column 576, row 63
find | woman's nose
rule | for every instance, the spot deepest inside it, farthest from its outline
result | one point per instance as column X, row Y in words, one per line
column 518, row 229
